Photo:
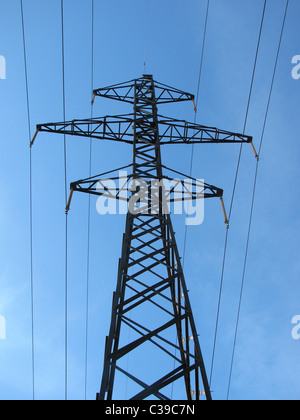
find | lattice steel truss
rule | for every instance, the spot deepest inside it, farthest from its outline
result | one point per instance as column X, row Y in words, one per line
column 152, row 319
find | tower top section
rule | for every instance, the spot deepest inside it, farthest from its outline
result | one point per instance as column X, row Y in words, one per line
column 124, row 92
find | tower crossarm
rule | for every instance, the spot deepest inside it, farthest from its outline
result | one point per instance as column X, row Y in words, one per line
column 174, row 189
column 125, row 92
column 152, row 193
column 120, row 128
column 182, row 132
column 114, row 128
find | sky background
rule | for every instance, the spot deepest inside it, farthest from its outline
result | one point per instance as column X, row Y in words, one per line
column 267, row 362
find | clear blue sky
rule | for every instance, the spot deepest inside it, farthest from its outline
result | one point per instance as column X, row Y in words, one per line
column 267, row 363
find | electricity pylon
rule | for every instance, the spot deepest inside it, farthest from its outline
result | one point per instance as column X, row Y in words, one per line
column 152, row 319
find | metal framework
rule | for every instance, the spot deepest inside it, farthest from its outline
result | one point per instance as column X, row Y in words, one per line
column 151, row 310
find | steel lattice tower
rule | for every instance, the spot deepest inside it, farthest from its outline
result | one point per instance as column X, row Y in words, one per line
column 151, row 311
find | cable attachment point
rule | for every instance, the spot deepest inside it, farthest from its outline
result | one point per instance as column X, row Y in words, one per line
column 94, row 96
column 34, row 137
column 69, row 201
column 195, row 108
column 224, row 212
column 255, row 152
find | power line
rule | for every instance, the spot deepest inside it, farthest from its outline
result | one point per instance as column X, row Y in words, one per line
column 234, row 190
column 202, row 55
column 89, row 216
column 196, row 110
column 30, row 204
column 253, row 200
column 66, row 200
column 193, row 146
column 64, row 94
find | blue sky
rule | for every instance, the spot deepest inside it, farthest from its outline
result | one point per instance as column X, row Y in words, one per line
column 267, row 363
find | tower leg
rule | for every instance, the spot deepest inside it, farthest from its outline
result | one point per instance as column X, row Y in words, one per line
column 150, row 273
